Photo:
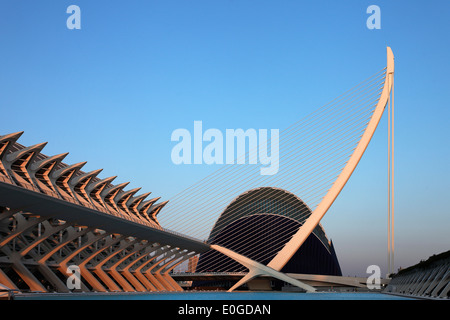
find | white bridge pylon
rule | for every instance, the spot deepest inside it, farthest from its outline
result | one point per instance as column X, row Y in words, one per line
column 285, row 254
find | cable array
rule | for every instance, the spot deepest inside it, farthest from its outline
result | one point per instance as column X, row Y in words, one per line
column 312, row 153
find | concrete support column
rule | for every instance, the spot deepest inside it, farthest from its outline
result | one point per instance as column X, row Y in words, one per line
column 62, row 263
column 155, row 274
column 142, row 284
column 116, row 275
column 148, row 272
column 28, row 277
column 6, row 281
column 86, row 274
column 444, row 281
column 105, row 278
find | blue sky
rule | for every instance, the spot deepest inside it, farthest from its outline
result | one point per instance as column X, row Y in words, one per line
column 113, row 92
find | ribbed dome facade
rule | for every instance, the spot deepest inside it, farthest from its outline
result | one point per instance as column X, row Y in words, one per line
column 257, row 224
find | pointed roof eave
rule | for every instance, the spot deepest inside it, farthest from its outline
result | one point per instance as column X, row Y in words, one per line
column 136, row 199
column 156, row 209
column 92, row 185
column 114, row 188
column 145, row 205
column 128, row 193
column 158, row 205
column 12, row 137
column 35, row 166
column 77, row 166
column 132, row 192
column 75, row 180
column 20, row 153
column 9, row 140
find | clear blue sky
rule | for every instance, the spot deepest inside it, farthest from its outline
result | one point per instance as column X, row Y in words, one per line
column 113, row 92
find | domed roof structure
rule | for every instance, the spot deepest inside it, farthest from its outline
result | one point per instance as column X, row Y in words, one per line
column 257, row 224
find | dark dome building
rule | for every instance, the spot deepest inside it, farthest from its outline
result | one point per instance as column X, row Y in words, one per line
column 257, row 224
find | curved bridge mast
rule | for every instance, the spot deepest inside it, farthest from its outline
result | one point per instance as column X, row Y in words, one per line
column 285, row 254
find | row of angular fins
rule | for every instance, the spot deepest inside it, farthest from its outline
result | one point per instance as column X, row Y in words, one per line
column 27, row 166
